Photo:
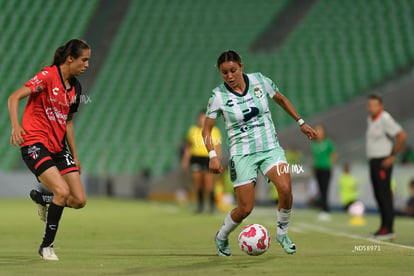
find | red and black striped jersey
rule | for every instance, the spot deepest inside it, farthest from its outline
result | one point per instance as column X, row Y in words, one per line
column 48, row 107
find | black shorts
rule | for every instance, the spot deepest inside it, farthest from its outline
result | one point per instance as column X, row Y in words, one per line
column 199, row 164
column 38, row 159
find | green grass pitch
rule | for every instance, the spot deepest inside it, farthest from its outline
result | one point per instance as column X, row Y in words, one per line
column 122, row 237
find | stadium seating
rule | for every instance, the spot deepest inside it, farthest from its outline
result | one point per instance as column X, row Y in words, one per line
column 158, row 75
column 342, row 48
column 160, row 69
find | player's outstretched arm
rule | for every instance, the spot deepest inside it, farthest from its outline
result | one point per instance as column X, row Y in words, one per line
column 281, row 100
column 215, row 164
column 17, row 134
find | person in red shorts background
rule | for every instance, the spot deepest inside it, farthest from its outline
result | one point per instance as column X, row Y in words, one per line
column 46, row 136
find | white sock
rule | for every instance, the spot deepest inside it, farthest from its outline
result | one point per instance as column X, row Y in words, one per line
column 228, row 226
column 283, row 218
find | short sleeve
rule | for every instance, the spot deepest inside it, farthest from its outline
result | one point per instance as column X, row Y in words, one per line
column 331, row 146
column 391, row 127
column 270, row 86
column 74, row 106
column 39, row 82
column 190, row 135
column 213, row 107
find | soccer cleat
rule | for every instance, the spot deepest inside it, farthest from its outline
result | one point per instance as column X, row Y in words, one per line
column 384, row 234
column 41, row 198
column 223, row 248
column 42, row 211
column 286, row 244
column 48, row 254
column 41, row 201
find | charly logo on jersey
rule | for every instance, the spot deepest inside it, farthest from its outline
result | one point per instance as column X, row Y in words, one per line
column 257, row 92
column 55, row 91
column 230, row 103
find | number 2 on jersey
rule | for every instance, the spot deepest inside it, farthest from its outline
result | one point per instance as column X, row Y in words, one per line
column 250, row 113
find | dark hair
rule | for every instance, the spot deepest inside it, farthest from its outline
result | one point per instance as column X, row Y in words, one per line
column 229, row 55
column 375, row 97
column 202, row 111
column 72, row 48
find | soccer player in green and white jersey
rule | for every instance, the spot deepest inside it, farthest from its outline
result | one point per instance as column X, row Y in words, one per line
column 242, row 101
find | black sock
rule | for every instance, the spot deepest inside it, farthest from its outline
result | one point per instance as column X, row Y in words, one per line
column 47, row 197
column 52, row 221
column 212, row 201
column 200, row 200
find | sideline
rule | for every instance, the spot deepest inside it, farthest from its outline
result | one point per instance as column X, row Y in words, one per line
column 333, row 232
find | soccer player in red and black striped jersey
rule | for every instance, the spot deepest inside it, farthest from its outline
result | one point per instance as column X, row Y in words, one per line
column 47, row 130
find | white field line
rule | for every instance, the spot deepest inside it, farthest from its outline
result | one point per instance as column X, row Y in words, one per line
column 297, row 229
column 332, row 232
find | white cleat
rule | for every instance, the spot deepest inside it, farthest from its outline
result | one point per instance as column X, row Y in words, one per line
column 48, row 254
column 42, row 211
column 41, row 201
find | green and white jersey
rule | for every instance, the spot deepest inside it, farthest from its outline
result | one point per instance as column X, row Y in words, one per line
column 247, row 116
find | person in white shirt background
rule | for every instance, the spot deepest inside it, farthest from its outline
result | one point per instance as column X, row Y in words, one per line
column 382, row 131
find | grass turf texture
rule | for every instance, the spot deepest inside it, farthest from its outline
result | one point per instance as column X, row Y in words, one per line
column 114, row 237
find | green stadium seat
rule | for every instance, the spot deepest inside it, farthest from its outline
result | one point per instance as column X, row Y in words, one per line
column 153, row 83
column 22, row 56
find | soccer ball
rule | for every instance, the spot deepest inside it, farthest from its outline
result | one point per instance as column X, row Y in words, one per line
column 356, row 209
column 254, row 239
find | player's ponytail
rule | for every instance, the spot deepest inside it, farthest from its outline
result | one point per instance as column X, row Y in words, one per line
column 229, row 55
column 72, row 48
column 57, row 59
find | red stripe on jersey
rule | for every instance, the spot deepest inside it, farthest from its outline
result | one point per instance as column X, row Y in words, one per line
column 42, row 161
column 68, row 170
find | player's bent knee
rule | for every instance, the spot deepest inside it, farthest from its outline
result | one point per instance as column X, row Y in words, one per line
column 81, row 204
column 78, row 203
column 61, row 195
